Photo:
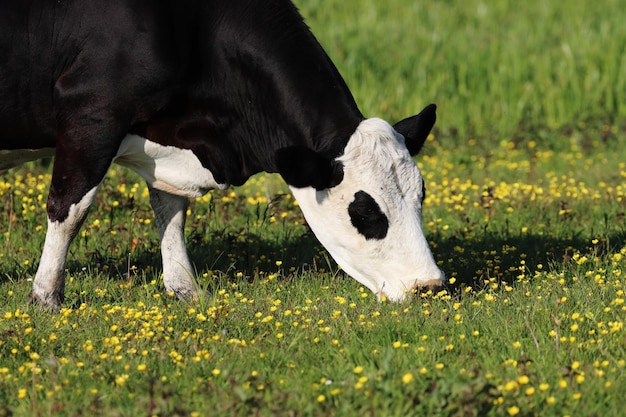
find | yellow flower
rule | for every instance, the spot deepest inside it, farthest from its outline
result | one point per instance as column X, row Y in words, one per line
column 407, row 378
column 340, row 300
column 358, row 369
column 513, row 411
column 510, row 386
column 361, row 383
column 121, row 379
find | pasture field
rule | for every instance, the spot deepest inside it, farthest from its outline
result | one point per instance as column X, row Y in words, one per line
column 525, row 212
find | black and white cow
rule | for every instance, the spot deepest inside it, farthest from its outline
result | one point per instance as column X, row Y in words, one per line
column 201, row 94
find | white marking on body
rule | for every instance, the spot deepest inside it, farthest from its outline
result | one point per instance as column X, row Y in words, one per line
column 167, row 168
column 13, row 158
column 49, row 282
column 376, row 161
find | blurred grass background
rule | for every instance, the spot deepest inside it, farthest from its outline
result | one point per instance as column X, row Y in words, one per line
column 493, row 67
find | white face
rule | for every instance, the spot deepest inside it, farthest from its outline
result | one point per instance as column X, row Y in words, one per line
column 371, row 221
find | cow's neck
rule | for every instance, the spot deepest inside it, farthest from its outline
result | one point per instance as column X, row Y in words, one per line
column 271, row 85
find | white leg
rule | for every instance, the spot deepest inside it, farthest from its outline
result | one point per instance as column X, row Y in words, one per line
column 49, row 282
column 170, row 213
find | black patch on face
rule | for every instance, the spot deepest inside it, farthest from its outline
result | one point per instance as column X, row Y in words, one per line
column 367, row 217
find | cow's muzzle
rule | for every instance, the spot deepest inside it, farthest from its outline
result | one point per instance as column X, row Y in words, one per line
column 433, row 286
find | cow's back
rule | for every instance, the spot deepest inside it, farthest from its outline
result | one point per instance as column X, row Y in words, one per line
column 59, row 57
column 25, row 75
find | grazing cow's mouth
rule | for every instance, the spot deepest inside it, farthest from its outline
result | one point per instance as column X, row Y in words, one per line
column 421, row 289
column 432, row 287
column 433, row 284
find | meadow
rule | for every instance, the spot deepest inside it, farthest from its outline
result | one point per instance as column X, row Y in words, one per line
column 525, row 212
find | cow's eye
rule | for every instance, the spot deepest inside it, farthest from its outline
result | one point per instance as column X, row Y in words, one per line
column 367, row 217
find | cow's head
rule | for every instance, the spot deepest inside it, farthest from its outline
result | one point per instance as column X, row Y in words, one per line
column 365, row 206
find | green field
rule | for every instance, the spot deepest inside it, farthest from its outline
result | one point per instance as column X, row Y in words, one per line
column 525, row 212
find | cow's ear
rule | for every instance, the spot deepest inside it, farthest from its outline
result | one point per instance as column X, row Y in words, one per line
column 415, row 129
column 303, row 167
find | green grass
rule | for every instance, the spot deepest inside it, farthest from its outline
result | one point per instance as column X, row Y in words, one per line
column 525, row 208
column 492, row 67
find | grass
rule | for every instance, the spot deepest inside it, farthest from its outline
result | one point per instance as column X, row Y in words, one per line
column 492, row 67
column 525, row 207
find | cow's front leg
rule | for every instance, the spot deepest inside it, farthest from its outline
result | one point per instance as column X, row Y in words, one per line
column 170, row 212
column 49, row 282
column 87, row 140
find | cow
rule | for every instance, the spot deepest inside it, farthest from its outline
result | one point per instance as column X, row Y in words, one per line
column 201, row 94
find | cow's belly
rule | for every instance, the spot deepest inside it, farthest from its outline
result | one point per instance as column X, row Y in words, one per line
column 173, row 170
column 15, row 157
